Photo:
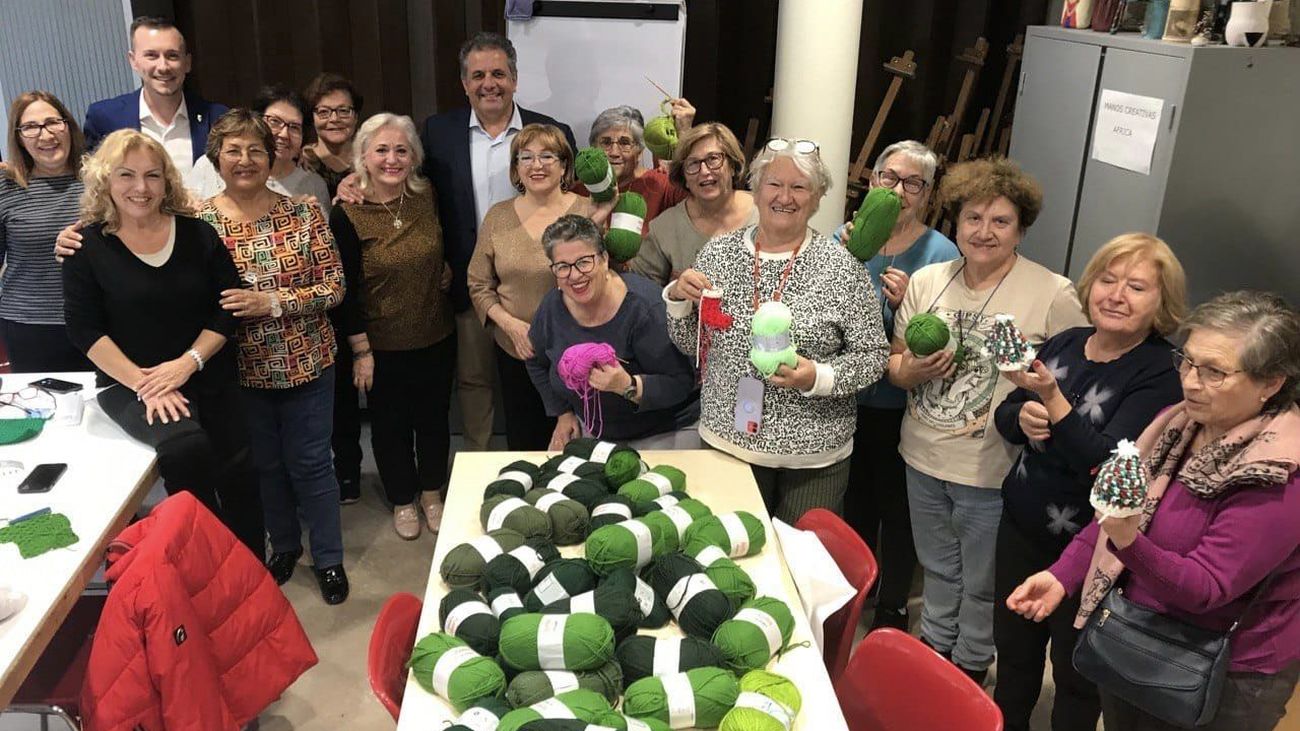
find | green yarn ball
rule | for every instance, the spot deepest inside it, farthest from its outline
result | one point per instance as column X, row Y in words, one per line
column 926, row 334
column 629, row 544
column 587, row 490
column 660, row 136
column 558, row 581
column 569, row 519
column 659, row 503
column 514, row 480
column 619, row 722
column 767, row 702
column 581, row 704
column 759, row 631
column 505, row 603
column 702, row 696
column 738, row 533
column 485, row 713
column 556, row 642
column 532, row 686
column 591, row 166
column 623, row 239
column 725, row 574
column 654, row 613
column 462, row 567
column 674, row 520
column 615, row 600
column 610, row 510
column 642, row 656
column 504, row 511
column 623, row 466
column 574, row 465
column 873, row 223
column 594, row 450
column 656, row 482
column 770, row 335
column 518, row 569
column 445, row 666
column 463, row 614
column 690, row 595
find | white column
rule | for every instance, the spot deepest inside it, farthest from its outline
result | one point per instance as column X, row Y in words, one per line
column 816, row 82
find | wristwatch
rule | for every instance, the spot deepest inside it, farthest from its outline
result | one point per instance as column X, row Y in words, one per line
column 276, row 310
column 629, row 393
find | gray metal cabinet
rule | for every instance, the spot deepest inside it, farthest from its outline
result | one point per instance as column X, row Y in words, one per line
column 1224, row 186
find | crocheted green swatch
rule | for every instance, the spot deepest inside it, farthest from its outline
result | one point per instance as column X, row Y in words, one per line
column 40, row 534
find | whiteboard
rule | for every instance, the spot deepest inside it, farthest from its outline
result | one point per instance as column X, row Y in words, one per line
column 574, row 68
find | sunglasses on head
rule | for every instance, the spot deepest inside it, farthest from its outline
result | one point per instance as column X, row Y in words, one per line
column 803, row 147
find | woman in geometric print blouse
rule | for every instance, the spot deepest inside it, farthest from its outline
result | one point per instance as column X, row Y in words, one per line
column 291, row 275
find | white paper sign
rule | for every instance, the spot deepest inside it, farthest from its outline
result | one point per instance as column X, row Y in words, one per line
column 1126, row 130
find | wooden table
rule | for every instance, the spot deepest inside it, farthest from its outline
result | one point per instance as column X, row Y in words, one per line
column 721, row 482
column 107, row 478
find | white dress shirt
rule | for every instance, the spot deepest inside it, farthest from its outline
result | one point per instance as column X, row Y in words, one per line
column 174, row 137
column 489, row 163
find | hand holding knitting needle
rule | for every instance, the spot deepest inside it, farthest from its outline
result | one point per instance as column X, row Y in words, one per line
column 690, row 286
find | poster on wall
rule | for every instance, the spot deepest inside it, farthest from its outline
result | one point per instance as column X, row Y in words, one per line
column 1126, row 130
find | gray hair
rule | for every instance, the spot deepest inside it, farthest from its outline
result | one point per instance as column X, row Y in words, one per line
column 488, row 41
column 1269, row 329
column 915, row 151
column 572, row 227
column 415, row 182
column 810, row 164
column 620, row 116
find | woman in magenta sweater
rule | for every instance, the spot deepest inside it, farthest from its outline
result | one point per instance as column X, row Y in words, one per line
column 1223, row 513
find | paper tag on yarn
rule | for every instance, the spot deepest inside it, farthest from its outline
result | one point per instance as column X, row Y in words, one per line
column 668, row 656
column 519, row 476
column 550, row 590
column 659, row 481
column 561, row 481
column 527, row 555
column 685, row 589
column 644, row 540
column 550, row 641
column 680, row 698
column 570, row 464
column 634, row 724
column 680, row 518
column 763, row 704
column 736, row 534
column 487, row 547
column 463, row 612
column 603, row 185
column 600, row 453
column 497, row 517
column 627, row 222
column 709, row 555
column 479, row 719
column 665, row 501
column 552, row 708
column 584, row 603
column 611, row 508
column 545, row 502
column 765, row 623
column 561, row 680
column 447, row 664
column 645, row 597
column 595, row 727
column 507, row 600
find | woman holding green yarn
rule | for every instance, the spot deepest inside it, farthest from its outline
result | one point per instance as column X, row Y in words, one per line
column 620, row 133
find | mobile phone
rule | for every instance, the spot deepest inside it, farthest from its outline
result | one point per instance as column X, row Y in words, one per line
column 56, row 385
column 42, row 478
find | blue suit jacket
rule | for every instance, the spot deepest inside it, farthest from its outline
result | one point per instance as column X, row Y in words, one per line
column 447, row 165
column 122, row 112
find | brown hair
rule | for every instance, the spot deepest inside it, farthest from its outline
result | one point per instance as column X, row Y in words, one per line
column 987, row 179
column 553, row 140
column 324, row 84
column 154, row 22
column 239, row 122
column 97, row 202
column 699, row 133
column 21, row 163
column 1143, row 247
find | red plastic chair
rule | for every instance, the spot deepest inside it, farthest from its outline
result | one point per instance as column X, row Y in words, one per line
column 858, row 565
column 390, row 647
column 896, row 683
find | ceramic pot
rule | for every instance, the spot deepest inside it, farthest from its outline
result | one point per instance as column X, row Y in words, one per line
column 1248, row 24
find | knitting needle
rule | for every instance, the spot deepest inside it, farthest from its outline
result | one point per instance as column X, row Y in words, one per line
column 662, row 90
column 28, row 516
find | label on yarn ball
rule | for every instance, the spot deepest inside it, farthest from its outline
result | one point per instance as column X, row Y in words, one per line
column 550, row 590
column 522, row 478
column 600, row 453
column 633, row 725
column 665, row 501
column 561, row 481
column 644, row 540
column 626, row 222
column 763, row 704
column 463, row 612
column 709, row 555
column 645, row 597
column 611, row 509
column 508, row 600
column 479, row 719
column 660, row 482
column 447, row 664
column 680, row 698
column 552, row 708
column 584, row 603
column 550, row 641
column 685, row 590
column 487, row 547
column 545, row 502
column 765, row 624
column 594, row 727
column 497, row 517
column 561, row 680
column 603, row 185
column 679, row 517
column 736, row 534
column 527, row 555
column 570, row 464
column 668, row 656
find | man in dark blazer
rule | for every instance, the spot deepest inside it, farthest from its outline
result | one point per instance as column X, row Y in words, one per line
column 161, row 108
column 467, row 157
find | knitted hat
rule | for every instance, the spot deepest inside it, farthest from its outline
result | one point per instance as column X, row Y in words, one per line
column 1120, row 490
column 660, row 480
column 693, row 599
column 516, row 569
column 726, row 574
column 696, row 698
column 503, row 511
column 739, row 533
column 532, row 686
column 568, row 517
column 767, row 702
column 759, row 630
column 559, row 580
column 446, row 666
column 644, row 655
column 556, row 642
column 463, row 565
column 1007, row 346
column 463, row 614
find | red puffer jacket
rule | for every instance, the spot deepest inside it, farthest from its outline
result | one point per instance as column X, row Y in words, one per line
column 195, row 636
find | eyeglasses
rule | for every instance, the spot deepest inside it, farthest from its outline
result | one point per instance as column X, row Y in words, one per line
column 34, row 402
column 584, row 265
column 276, row 124
column 624, row 143
column 803, row 147
column 547, row 159
column 712, row 161
column 1209, row 375
column 889, row 179
column 233, row 154
column 32, row 130
column 325, row 113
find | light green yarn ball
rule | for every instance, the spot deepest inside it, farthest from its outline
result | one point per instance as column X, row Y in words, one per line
column 770, row 332
column 767, row 702
column 475, row 676
column 759, row 630
column 713, row 691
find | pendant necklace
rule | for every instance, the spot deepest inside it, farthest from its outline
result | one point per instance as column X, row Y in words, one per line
column 397, row 218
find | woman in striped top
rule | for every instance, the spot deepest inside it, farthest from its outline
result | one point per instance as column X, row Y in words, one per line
column 38, row 196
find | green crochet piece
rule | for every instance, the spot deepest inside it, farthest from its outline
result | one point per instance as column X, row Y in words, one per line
column 40, row 534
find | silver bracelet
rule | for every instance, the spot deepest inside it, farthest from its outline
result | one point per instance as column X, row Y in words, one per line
column 195, row 355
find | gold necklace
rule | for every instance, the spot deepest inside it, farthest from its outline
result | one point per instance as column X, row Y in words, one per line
column 397, row 218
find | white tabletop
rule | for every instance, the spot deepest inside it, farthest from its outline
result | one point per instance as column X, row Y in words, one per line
column 107, row 478
column 721, row 482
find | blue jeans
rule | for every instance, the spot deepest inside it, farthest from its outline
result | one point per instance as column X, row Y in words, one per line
column 955, row 528
column 290, row 431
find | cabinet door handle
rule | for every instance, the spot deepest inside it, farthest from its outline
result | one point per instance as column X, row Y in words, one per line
column 1173, row 112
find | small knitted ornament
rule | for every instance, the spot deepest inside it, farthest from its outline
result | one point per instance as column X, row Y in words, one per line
column 619, row 722
column 484, row 715
column 591, row 166
column 574, row 369
column 644, row 655
column 629, row 544
column 463, row 565
column 556, row 642
column 40, row 534
column 675, row 519
column 559, row 580
column 770, row 338
column 759, row 631
column 515, row 479
column 1007, row 346
column 581, row 704
column 658, row 481
column 725, row 574
column 690, row 595
column 767, row 702
column 610, row 510
column 447, row 667
column 463, row 614
column 504, row 511
column 873, row 223
column 739, row 534
column 926, row 334
column 623, row 239
column 697, row 698
column 568, row 517
column 586, row 490
column 505, row 603
column 532, row 686
column 615, row 600
column 517, row 569
column 1120, row 489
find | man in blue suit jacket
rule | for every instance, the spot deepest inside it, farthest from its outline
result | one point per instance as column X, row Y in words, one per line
column 467, row 157
column 161, row 108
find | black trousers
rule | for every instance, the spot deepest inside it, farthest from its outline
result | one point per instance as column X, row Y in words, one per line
column 1022, row 645
column 876, row 502
column 527, row 425
column 409, row 430
column 41, row 349
column 206, row 454
column 346, row 439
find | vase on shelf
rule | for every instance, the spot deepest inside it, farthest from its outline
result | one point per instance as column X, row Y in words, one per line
column 1154, row 26
column 1180, row 27
column 1247, row 24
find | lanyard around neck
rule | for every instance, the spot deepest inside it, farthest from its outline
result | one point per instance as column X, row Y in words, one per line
column 785, row 272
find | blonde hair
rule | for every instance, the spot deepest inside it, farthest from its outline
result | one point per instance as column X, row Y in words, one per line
column 97, row 202
column 552, row 140
column 415, row 182
column 1170, row 277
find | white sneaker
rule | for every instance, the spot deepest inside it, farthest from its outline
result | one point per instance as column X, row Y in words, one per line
column 431, row 504
column 406, row 521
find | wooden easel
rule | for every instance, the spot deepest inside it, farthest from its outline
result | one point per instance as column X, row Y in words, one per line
column 1015, row 52
column 974, row 56
column 902, row 67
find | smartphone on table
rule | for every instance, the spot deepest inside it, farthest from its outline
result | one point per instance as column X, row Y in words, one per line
column 41, row 478
column 56, row 385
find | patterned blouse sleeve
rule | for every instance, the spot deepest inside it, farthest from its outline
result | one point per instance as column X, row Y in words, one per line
column 865, row 352
column 326, row 268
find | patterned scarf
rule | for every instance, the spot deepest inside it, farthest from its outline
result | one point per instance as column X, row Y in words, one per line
column 1259, row 452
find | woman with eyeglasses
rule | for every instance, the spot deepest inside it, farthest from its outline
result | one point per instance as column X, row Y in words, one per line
column 794, row 426
column 39, row 195
column 1088, row 388
column 955, row 458
column 1218, row 544
column 648, row 397
column 335, row 108
column 709, row 165
column 620, row 133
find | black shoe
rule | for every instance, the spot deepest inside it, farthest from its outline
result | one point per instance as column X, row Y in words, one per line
column 281, row 565
column 896, row 618
column 333, row 584
column 349, row 491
